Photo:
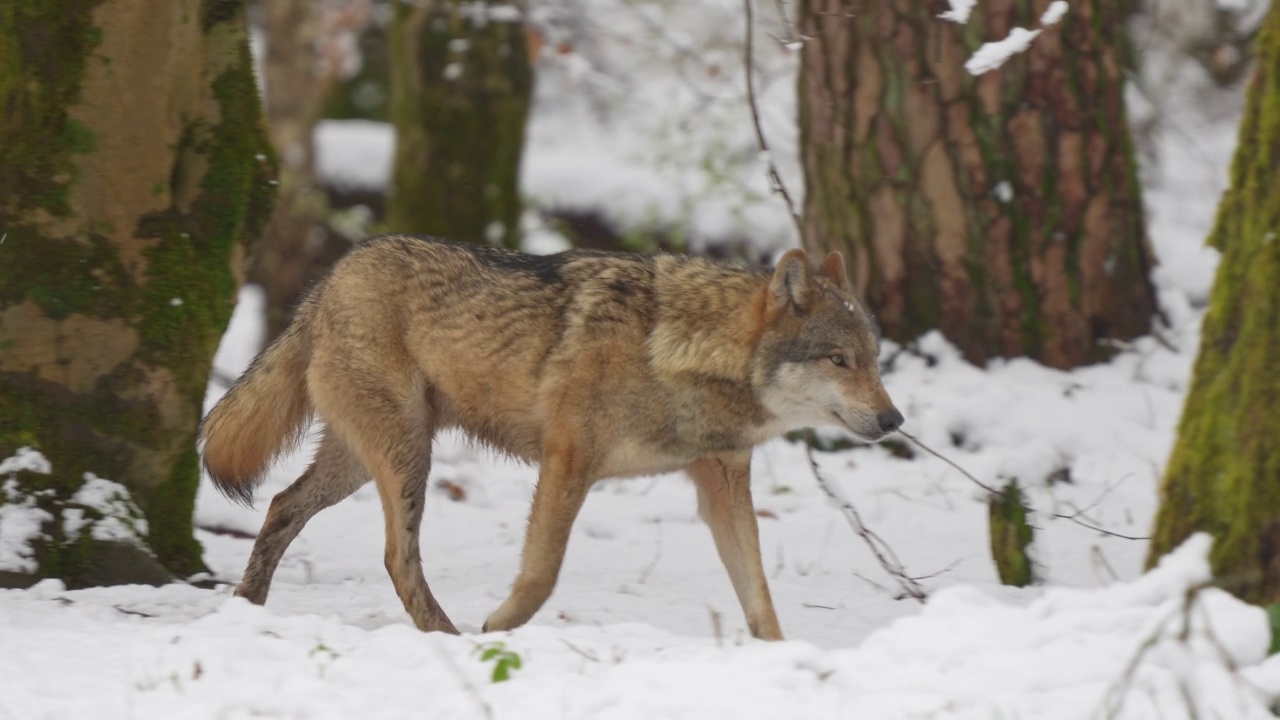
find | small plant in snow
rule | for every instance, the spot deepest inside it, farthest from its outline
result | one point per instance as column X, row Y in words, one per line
column 504, row 660
column 324, row 655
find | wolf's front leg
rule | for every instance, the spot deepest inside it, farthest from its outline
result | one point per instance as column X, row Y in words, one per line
column 724, row 503
column 562, row 486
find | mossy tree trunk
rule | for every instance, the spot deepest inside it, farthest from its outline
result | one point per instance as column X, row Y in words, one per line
column 134, row 170
column 461, row 83
column 1003, row 209
column 292, row 254
column 1224, row 475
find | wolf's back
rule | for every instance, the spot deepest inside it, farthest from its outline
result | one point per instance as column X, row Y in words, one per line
column 261, row 416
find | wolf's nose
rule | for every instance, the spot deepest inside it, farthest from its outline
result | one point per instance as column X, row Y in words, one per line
column 889, row 420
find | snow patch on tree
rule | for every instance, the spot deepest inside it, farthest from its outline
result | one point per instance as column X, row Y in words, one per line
column 21, row 519
column 1054, row 13
column 26, row 459
column 20, row 524
column 121, row 519
column 960, row 11
column 102, row 507
column 994, row 54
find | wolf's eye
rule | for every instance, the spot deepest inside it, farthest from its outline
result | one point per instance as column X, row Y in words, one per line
column 839, row 360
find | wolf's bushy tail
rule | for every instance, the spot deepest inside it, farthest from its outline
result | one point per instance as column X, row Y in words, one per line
column 263, row 415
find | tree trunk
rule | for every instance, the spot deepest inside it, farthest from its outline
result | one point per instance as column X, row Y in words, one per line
column 1003, row 208
column 1224, row 474
column 287, row 259
column 134, row 170
column 460, row 90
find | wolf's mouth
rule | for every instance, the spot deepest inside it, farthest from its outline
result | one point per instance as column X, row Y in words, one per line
column 859, row 434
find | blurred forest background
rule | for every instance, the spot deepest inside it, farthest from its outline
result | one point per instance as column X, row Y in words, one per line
column 143, row 182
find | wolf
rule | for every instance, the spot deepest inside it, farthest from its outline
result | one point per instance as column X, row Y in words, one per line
column 591, row 364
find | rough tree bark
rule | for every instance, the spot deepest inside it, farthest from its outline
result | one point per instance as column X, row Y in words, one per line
column 134, row 169
column 461, row 83
column 1003, row 209
column 1224, row 474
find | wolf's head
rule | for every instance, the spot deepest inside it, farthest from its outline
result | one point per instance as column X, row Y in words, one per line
column 816, row 361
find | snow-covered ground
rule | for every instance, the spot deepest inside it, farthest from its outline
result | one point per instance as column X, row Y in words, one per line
column 643, row 622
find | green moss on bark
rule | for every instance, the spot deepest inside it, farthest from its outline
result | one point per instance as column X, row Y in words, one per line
column 1224, row 475
column 137, row 423
column 43, row 49
column 191, row 285
column 190, row 289
column 1011, row 536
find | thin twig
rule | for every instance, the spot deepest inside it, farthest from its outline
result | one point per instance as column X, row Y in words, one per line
column 657, row 555
column 948, row 461
column 1095, row 528
column 1100, row 561
column 1075, row 518
column 788, row 28
column 887, row 558
column 717, row 626
column 584, row 653
column 127, row 611
column 943, row 571
column 1114, row 699
column 775, row 178
column 870, row 582
column 466, row 684
column 1110, row 488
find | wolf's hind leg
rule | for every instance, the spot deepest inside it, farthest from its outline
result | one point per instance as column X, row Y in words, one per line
column 724, row 502
column 403, row 494
column 557, row 498
column 383, row 414
column 332, row 476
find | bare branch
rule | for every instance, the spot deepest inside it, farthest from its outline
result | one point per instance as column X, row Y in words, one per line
column 485, row 708
column 584, row 653
column 657, row 555
column 1114, row 699
column 775, row 178
column 717, row 626
column 1075, row 517
column 1095, row 528
column 887, row 558
column 1100, row 562
column 788, row 28
column 948, row 461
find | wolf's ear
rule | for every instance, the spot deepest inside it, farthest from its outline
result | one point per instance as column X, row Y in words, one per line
column 790, row 283
column 834, row 269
